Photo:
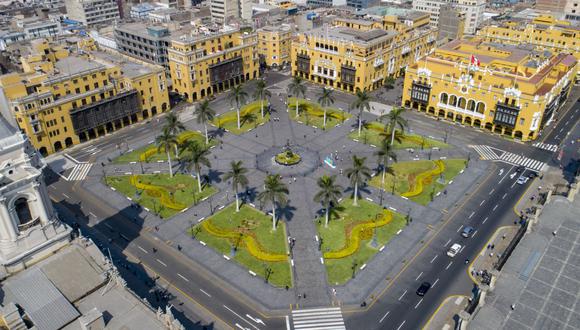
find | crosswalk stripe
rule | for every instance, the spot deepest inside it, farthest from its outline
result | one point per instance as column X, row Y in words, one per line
column 318, row 319
column 546, row 146
column 79, row 172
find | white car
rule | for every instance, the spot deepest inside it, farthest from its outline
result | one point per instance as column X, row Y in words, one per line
column 522, row 179
column 453, row 250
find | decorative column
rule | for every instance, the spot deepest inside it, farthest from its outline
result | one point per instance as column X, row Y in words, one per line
column 7, row 229
column 39, row 204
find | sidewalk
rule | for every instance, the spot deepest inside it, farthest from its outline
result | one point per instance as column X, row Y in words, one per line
column 490, row 254
column 446, row 315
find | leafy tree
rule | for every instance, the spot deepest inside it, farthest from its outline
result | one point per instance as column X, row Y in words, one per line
column 248, row 117
column 204, row 114
column 165, row 142
column 261, row 93
column 325, row 100
column 238, row 175
column 358, row 174
column 361, row 104
column 297, row 88
column 385, row 152
column 195, row 155
column 328, row 194
column 394, row 119
column 275, row 192
column 238, row 96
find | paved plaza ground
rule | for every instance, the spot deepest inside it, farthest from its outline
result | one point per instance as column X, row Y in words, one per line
column 256, row 149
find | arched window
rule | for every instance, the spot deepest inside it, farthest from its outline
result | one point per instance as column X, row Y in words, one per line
column 471, row 105
column 444, row 98
column 481, row 107
column 453, row 100
column 22, row 210
column 461, row 104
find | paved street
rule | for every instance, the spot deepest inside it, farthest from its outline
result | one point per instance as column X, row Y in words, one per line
column 380, row 297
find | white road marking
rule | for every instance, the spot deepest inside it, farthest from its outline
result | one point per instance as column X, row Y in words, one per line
column 449, row 241
column 446, row 268
column 287, row 322
column 161, row 262
column 472, row 213
column 183, row 277
column 483, row 201
column 491, row 192
column 384, row 316
column 458, row 229
column 495, row 207
column 474, row 233
column 419, row 303
column 419, row 276
column 142, row 249
column 400, row 326
column 437, row 280
column 404, row 293
column 435, row 257
column 504, row 195
column 236, row 314
column 207, row 294
column 65, row 196
column 484, row 220
column 92, row 214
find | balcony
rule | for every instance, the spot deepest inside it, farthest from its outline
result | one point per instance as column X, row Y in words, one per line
column 28, row 225
column 405, row 50
column 378, row 62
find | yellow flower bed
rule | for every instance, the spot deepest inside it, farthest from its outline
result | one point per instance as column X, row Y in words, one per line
column 249, row 242
column 180, row 139
column 359, row 233
column 314, row 109
column 425, row 179
column 158, row 192
column 232, row 116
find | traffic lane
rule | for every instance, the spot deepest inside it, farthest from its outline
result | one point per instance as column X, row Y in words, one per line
column 434, row 263
column 563, row 125
column 203, row 289
column 447, row 274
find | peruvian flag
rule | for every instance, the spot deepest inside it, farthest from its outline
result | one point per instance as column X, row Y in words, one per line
column 474, row 61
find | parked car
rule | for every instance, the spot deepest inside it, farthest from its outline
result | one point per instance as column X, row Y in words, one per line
column 522, row 179
column 453, row 250
column 422, row 290
column 467, row 231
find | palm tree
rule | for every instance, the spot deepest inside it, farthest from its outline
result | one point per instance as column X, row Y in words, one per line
column 361, row 104
column 194, row 154
column 238, row 175
column 204, row 114
column 328, row 194
column 394, row 119
column 326, row 99
column 238, row 96
column 358, row 174
column 248, row 117
column 385, row 152
column 174, row 126
column 297, row 88
column 165, row 142
column 261, row 93
column 275, row 192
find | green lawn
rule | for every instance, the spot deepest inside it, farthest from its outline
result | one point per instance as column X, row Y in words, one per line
column 371, row 134
column 165, row 196
column 406, row 174
column 334, row 237
column 311, row 113
column 229, row 120
column 149, row 153
column 223, row 231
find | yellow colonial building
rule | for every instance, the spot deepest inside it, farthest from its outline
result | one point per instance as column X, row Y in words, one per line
column 274, row 44
column 203, row 64
column 355, row 53
column 63, row 100
column 513, row 91
column 543, row 32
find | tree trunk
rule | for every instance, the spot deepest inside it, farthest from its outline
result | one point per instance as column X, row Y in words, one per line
column 206, row 135
column 198, row 170
column 296, row 107
column 324, row 118
column 237, row 202
column 359, row 124
column 355, row 202
column 327, row 215
column 176, row 153
column 392, row 134
column 273, row 215
column 169, row 161
column 383, row 179
column 262, row 108
column 238, row 113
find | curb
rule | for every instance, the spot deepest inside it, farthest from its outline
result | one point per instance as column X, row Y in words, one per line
column 425, row 327
column 481, row 252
